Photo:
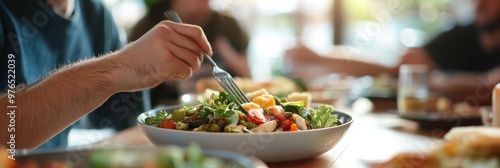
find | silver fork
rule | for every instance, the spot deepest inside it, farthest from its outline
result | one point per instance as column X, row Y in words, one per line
column 224, row 79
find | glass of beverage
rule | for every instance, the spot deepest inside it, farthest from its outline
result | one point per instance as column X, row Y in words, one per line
column 412, row 89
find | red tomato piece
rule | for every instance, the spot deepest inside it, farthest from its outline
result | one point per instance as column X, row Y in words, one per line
column 168, row 124
column 256, row 116
column 280, row 117
column 285, row 124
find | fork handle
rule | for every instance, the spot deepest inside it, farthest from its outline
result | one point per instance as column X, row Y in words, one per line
column 173, row 16
column 210, row 60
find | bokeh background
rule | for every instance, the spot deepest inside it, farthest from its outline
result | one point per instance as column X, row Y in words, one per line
column 382, row 28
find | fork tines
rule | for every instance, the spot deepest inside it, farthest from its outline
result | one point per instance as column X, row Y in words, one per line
column 227, row 82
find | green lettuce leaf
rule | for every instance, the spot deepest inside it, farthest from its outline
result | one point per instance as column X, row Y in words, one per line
column 156, row 120
column 322, row 117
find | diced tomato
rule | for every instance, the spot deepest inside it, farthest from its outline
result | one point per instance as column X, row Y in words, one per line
column 168, row 124
column 256, row 116
column 286, row 124
column 280, row 117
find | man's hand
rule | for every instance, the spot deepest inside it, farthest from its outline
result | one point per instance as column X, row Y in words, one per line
column 168, row 50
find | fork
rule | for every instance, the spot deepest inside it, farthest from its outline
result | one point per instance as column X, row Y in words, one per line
column 222, row 77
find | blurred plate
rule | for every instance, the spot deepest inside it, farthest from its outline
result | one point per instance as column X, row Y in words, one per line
column 436, row 120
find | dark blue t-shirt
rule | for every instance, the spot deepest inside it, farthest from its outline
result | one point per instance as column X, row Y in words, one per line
column 459, row 50
column 42, row 41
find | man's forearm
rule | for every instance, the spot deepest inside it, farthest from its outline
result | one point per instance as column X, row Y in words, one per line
column 473, row 88
column 46, row 108
column 356, row 67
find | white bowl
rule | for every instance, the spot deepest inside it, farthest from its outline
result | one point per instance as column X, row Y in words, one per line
column 269, row 147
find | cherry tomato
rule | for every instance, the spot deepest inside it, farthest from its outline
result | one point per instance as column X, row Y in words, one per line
column 168, row 124
column 280, row 117
column 285, row 124
column 256, row 116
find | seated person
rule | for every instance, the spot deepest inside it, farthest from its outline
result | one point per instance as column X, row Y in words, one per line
column 56, row 80
column 223, row 32
column 466, row 58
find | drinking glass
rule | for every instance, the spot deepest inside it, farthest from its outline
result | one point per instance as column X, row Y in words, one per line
column 412, row 89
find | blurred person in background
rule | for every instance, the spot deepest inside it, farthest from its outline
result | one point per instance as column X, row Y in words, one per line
column 50, row 52
column 465, row 59
column 226, row 36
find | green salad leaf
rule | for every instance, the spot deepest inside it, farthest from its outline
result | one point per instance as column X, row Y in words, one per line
column 189, row 109
column 156, row 120
column 225, row 98
column 322, row 117
column 222, row 106
column 277, row 100
column 296, row 107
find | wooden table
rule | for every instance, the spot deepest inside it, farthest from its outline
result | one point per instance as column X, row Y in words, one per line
column 373, row 137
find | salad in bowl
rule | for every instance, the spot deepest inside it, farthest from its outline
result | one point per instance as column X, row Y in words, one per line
column 265, row 113
column 270, row 128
